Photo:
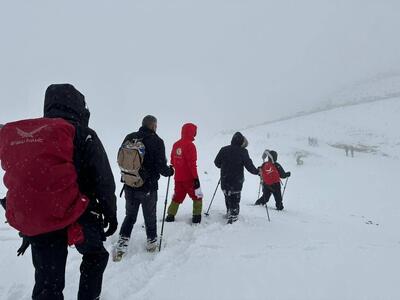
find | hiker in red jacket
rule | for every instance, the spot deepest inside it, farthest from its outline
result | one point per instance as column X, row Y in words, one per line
column 272, row 172
column 184, row 161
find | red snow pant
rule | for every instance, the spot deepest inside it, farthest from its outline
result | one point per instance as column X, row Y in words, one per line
column 183, row 188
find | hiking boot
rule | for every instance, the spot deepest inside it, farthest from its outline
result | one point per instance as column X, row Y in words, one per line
column 260, row 202
column 196, row 219
column 279, row 207
column 122, row 244
column 170, row 218
column 121, row 248
column 232, row 218
column 151, row 244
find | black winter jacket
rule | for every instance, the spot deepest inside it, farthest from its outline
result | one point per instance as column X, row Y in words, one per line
column 232, row 160
column 155, row 161
column 95, row 177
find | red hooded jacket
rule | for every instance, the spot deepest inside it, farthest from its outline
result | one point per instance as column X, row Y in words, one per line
column 184, row 155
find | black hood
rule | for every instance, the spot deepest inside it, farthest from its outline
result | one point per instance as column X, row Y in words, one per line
column 274, row 155
column 239, row 140
column 66, row 102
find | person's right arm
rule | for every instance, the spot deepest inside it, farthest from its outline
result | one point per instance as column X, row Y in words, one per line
column 161, row 160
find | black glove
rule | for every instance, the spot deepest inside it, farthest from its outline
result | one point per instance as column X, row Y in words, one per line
column 171, row 171
column 25, row 245
column 288, row 174
column 196, row 184
column 111, row 223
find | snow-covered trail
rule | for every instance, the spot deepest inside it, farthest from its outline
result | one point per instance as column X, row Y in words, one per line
column 337, row 238
column 324, row 246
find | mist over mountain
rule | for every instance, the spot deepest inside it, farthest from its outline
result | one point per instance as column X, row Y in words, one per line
column 221, row 64
column 378, row 88
column 318, row 81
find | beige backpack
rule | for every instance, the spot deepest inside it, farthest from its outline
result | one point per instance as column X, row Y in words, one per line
column 130, row 161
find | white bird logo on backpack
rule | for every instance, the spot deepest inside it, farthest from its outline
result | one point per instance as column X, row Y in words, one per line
column 31, row 134
column 269, row 171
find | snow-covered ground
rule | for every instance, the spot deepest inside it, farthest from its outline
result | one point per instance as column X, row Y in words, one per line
column 338, row 237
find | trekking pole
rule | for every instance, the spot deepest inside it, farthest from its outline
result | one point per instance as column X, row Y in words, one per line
column 216, row 189
column 165, row 210
column 259, row 188
column 284, row 188
column 122, row 191
column 266, row 207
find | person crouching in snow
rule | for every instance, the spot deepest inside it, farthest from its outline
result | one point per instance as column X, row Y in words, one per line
column 184, row 161
column 272, row 172
column 232, row 160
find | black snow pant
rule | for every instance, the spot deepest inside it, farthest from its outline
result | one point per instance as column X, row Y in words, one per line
column 269, row 190
column 232, row 201
column 134, row 199
column 49, row 256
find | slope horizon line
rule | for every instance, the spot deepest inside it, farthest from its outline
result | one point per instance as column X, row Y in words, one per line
column 300, row 114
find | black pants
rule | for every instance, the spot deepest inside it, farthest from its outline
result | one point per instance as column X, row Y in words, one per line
column 275, row 190
column 149, row 207
column 232, row 202
column 49, row 256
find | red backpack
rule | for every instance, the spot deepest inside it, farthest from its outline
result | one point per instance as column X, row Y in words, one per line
column 43, row 193
column 270, row 173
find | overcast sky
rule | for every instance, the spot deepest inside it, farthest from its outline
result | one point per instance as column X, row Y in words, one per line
column 219, row 63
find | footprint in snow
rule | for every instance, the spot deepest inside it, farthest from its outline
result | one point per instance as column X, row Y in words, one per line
column 371, row 223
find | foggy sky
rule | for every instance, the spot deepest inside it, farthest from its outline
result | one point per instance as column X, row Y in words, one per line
column 219, row 63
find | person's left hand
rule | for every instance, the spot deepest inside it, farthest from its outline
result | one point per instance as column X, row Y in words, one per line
column 198, row 193
column 111, row 223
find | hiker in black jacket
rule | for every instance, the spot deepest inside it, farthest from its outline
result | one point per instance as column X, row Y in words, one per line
column 271, row 173
column 232, row 160
column 95, row 177
column 94, row 181
column 154, row 165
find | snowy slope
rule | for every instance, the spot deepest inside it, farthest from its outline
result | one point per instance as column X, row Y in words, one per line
column 376, row 89
column 337, row 239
